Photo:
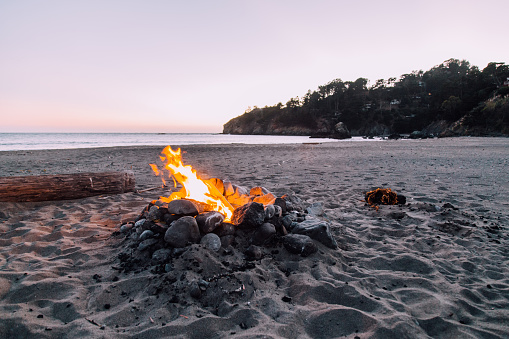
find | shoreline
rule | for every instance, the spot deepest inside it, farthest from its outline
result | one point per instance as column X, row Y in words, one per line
column 435, row 267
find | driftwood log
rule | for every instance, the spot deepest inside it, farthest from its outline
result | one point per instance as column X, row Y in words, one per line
column 64, row 186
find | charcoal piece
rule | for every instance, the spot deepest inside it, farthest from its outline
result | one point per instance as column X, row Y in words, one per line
column 227, row 240
column 209, row 221
column 182, row 232
column 250, row 215
column 270, row 211
column 263, row 233
column 146, row 235
column 315, row 209
column 225, row 229
column 146, row 244
column 154, row 213
column 211, row 241
column 253, row 252
column 316, row 229
column 281, row 203
column 161, row 256
column 183, row 207
column 299, row 244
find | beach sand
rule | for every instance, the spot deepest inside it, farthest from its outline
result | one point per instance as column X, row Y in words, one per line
column 436, row 267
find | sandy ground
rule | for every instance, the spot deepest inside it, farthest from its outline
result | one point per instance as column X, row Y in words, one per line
column 436, row 267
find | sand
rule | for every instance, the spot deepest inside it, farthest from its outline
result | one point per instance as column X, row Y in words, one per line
column 437, row 267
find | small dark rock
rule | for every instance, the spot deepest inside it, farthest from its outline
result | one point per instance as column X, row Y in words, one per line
column 253, row 252
column 182, row 231
column 107, row 306
column 146, row 235
column 209, row 221
column 263, row 233
column 154, row 213
column 159, row 228
column 195, row 290
column 161, row 255
column 168, row 218
column 211, row 241
column 270, row 211
column 146, row 244
column 318, row 230
column 286, row 299
column 299, row 244
column 250, row 215
column 281, row 203
column 225, row 229
column 183, row 207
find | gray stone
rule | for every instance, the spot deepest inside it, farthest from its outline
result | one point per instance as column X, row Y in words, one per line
column 146, row 235
column 209, row 221
column 182, row 232
column 263, row 233
column 183, row 207
column 250, row 215
column 270, row 211
column 160, row 256
column 299, row 244
column 315, row 209
column 211, row 241
column 126, row 228
column 140, row 223
column 146, row 244
column 316, row 229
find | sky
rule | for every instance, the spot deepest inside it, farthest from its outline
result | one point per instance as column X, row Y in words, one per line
column 190, row 66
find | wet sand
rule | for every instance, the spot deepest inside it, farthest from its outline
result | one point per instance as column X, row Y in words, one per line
column 436, row 267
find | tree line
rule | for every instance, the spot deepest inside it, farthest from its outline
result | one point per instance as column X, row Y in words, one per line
column 448, row 92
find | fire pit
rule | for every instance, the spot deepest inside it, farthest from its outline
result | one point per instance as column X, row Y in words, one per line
column 218, row 217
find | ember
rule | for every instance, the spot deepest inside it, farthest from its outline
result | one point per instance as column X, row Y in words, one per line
column 383, row 196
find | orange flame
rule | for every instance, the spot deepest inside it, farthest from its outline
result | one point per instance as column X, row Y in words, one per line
column 193, row 187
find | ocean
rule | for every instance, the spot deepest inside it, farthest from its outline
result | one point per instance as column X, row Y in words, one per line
column 35, row 141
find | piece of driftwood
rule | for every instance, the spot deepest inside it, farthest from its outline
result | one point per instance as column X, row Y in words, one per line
column 64, row 186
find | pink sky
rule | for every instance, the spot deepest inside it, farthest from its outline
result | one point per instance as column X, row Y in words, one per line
column 190, row 66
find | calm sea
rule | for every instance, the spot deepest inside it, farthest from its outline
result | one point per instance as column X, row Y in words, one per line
column 34, row 141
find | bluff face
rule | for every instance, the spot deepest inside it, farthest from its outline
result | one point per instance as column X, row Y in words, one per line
column 257, row 122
